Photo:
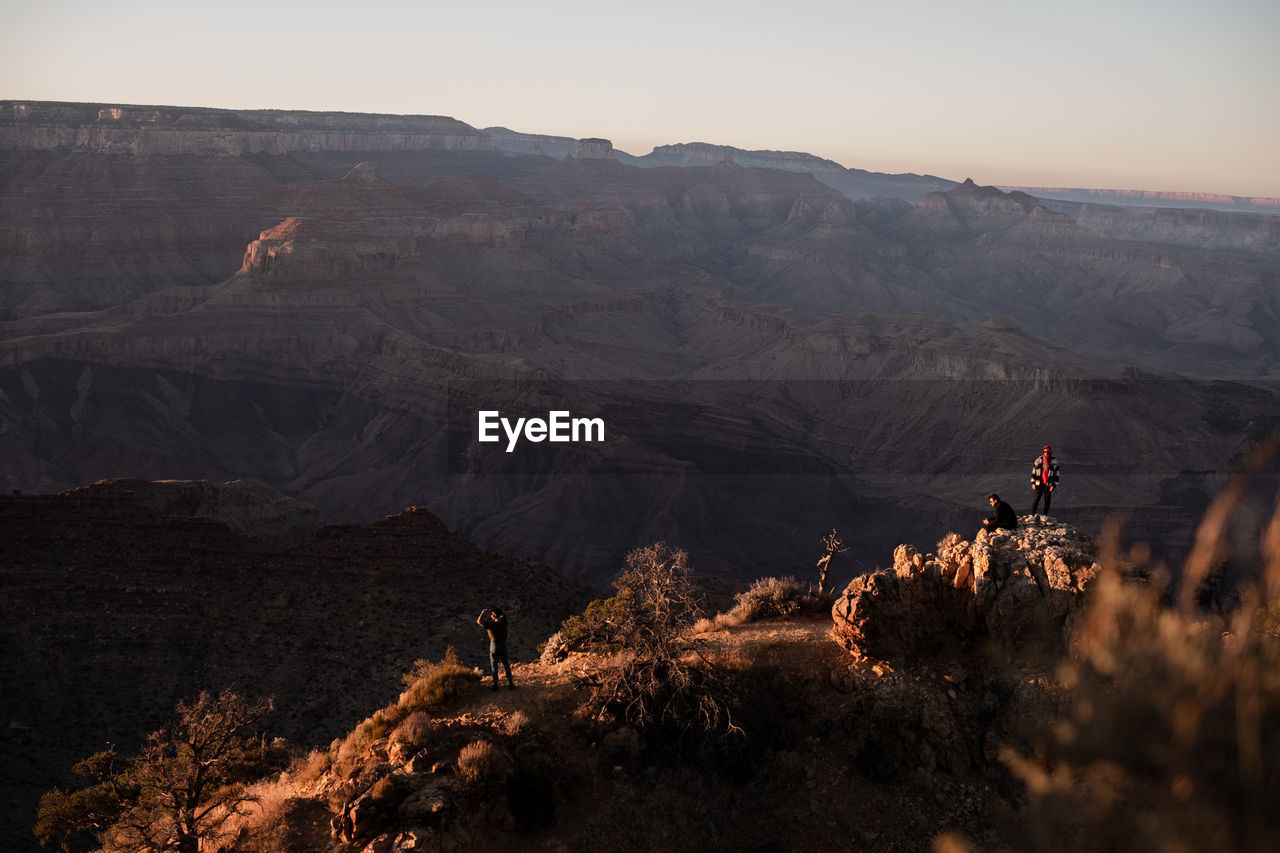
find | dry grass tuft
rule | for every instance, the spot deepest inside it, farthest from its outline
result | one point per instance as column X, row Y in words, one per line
column 481, row 761
column 516, row 722
column 311, row 766
column 433, row 685
column 769, row 598
column 1172, row 741
column 414, row 731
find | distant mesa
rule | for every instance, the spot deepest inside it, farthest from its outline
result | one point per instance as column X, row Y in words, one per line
column 150, row 130
column 593, row 149
column 699, row 153
column 365, row 173
column 540, row 144
column 248, row 507
column 986, row 200
column 855, row 183
column 1156, row 199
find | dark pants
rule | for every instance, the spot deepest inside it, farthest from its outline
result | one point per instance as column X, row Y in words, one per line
column 1042, row 491
column 498, row 654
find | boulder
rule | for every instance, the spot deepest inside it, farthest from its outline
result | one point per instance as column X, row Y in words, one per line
column 430, row 807
column 414, row 840
column 369, row 815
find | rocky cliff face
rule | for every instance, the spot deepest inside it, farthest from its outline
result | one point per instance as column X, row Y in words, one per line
column 974, row 205
column 538, row 144
column 1205, row 229
column 995, row 249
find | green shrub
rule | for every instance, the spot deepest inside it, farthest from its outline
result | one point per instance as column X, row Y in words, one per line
column 597, row 627
column 72, row 816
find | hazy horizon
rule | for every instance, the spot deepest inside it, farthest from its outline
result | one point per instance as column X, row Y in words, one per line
column 1165, row 97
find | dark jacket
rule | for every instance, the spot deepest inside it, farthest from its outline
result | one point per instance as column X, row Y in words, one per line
column 1005, row 516
column 497, row 628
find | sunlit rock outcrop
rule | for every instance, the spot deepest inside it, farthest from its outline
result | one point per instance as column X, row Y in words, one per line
column 1018, row 591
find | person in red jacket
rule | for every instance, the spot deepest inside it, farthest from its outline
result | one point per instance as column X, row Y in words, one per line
column 1044, row 478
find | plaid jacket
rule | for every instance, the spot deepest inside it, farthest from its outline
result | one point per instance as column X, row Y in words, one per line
column 1053, row 471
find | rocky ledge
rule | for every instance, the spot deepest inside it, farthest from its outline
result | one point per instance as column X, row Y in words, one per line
column 1015, row 591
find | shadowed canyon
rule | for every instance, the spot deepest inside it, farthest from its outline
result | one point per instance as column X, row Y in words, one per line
column 298, row 298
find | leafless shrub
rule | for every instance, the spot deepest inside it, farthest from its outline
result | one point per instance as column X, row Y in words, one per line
column 652, row 686
column 831, row 548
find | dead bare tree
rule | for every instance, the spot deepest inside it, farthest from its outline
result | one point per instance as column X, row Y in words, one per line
column 831, row 546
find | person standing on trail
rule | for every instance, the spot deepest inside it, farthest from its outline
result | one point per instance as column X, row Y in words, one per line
column 494, row 621
column 1044, row 478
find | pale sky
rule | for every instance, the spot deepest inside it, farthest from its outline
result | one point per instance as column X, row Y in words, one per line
column 1149, row 94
